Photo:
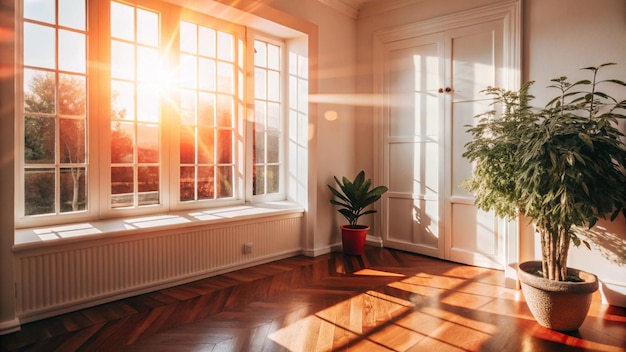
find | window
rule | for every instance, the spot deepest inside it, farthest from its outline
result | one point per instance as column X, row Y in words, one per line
column 208, row 110
column 135, row 106
column 151, row 110
column 54, row 119
column 267, row 133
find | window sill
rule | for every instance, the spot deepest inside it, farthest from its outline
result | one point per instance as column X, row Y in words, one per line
column 92, row 230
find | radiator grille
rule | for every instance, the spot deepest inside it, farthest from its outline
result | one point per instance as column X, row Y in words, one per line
column 52, row 281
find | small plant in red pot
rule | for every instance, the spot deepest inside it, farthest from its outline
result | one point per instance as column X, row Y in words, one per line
column 353, row 197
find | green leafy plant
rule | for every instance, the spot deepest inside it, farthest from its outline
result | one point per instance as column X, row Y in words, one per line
column 354, row 196
column 562, row 166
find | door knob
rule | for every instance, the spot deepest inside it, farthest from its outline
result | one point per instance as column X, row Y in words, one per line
column 448, row 89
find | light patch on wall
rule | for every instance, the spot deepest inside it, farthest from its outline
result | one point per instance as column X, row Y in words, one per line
column 331, row 115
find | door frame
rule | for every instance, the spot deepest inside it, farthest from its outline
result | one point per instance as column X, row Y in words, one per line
column 510, row 14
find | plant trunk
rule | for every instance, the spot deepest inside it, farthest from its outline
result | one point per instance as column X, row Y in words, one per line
column 554, row 250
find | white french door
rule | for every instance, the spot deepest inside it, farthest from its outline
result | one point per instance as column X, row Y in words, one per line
column 431, row 86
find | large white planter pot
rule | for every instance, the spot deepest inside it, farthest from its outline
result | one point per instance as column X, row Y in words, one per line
column 557, row 305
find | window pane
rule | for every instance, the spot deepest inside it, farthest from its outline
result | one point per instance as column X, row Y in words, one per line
column 206, row 146
column 273, row 178
column 188, row 107
column 72, row 52
column 260, row 83
column 273, row 57
column 147, row 27
column 148, row 103
column 147, row 143
column 273, row 116
column 73, row 186
column 225, row 46
column 72, row 13
column 121, row 182
column 206, row 182
column 187, row 182
column 225, row 184
column 187, row 145
column 122, row 142
column 206, row 74
column 273, row 144
column 72, row 95
column 122, row 21
column 39, row 92
column 187, row 71
column 122, row 60
column 259, row 147
column 148, row 198
column 39, row 191
column 260, row 54
column 206, row 109
column 122, row 102
column 72, row 141
column 259, row 115
column 148, row 65
column 226, row 78
column 39, row 136
column 273, row 86
column 259, row 179
column 148, row 177
column 224, row 111
column 39, row 46
column 39, row 10
column 207, row 42
column 188, row 37
column 224, row 146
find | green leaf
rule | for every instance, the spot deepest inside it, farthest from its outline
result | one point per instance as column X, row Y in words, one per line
column 585, row 138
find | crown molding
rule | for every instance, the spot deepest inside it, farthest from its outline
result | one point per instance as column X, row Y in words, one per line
column 347, row 7
column 356, row 8
column 378, row 7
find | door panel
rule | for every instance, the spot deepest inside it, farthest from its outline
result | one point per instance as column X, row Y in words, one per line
column 412, row 130
column 472, row 236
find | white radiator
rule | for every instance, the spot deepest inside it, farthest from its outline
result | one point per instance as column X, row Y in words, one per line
column 56, row 279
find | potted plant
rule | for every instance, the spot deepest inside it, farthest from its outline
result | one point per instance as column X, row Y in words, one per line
column 563, row 167
column 353, row 197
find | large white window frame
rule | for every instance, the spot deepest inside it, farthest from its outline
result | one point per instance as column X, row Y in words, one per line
column 99, row 178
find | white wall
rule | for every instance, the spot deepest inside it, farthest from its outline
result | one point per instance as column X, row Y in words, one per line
column 335, row 140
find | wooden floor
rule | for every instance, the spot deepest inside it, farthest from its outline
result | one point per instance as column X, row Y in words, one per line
column 384, row 300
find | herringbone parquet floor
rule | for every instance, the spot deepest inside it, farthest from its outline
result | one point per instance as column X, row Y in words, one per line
column 384, row 300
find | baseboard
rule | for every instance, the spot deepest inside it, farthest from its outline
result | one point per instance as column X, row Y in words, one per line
column 376, row 241
column 7, row 327
column 613, row 293
column 321, row 251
